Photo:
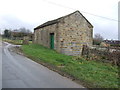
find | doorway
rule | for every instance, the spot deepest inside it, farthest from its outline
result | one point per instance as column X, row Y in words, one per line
column 52, row 40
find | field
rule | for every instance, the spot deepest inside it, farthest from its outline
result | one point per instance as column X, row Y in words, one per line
column 91, row 74
column 16, row 42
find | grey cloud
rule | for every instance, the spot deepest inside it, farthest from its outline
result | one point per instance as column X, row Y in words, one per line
column 8, row 21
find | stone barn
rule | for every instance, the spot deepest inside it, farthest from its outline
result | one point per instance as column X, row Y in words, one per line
column 66, row 34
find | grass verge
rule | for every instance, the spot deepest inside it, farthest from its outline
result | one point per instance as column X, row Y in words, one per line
column 91, row 73
column 16, row 42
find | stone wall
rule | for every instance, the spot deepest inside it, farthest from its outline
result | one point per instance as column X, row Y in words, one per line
column 74, row 33
column 26, row 39
column 42, row 36
column 107, row 55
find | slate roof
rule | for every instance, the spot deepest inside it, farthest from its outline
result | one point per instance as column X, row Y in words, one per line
column 57, row 20
column 112, row 41
column 47, row 24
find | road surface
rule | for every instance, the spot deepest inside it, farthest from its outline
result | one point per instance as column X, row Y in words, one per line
column 0, row 63
column 21, row 72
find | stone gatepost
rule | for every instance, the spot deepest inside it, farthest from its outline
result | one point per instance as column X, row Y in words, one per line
column 26, row 40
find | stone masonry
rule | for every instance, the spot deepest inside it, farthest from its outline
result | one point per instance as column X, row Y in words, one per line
column 71, row 32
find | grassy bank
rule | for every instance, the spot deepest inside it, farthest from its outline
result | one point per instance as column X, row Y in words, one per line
column 92, row 73
column 16, row 42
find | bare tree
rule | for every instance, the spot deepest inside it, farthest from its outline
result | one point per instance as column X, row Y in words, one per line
column 97, row 39
column 20, row 33
column 24, row 30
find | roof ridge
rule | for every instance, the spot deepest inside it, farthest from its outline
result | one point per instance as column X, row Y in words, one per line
column 57, row 20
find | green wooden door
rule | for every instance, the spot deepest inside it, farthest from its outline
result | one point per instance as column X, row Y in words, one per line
column 52, row 40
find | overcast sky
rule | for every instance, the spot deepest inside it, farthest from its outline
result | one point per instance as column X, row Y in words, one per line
column 31, row 13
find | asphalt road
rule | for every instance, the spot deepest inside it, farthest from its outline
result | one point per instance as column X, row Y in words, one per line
column 0, row 64
column 21, row 72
